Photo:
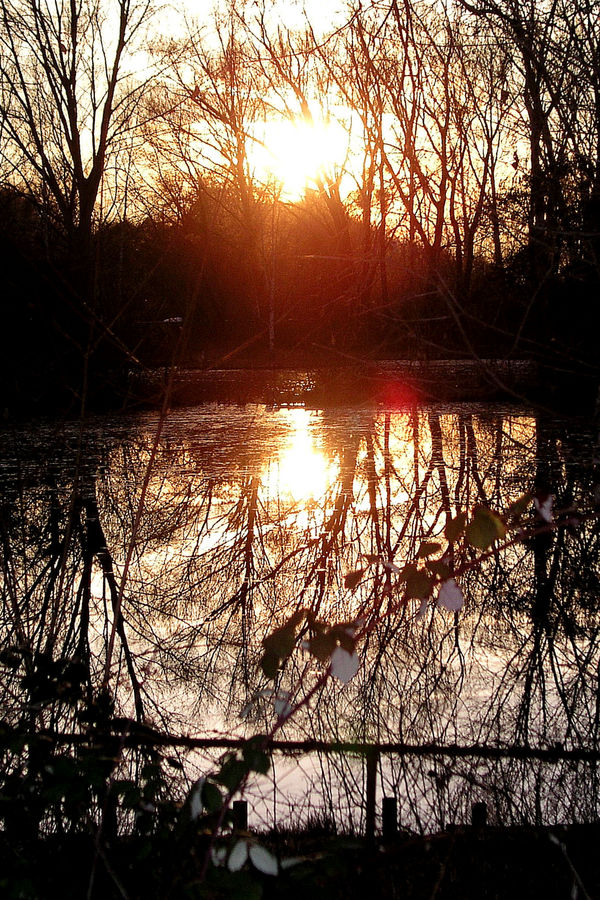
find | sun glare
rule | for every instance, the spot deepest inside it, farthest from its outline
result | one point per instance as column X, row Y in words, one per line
column 297, row 154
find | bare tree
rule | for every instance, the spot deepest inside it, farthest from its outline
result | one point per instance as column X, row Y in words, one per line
column 554, row 75
column 66, row 102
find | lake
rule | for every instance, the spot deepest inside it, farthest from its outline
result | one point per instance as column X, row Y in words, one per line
column 227, row 518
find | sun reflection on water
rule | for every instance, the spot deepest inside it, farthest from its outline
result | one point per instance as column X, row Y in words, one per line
column 300, row 471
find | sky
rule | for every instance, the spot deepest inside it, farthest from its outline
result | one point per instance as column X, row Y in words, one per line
column 290, row 13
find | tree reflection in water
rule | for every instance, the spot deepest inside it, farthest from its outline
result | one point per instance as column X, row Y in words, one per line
column 251, row 513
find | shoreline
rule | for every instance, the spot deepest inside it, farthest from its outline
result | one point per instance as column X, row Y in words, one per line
column 390, row 383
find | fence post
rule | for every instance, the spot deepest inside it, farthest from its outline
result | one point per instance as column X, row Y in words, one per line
column 240, row 814
column 389, row 818
column 479, row 815
column 372, row 759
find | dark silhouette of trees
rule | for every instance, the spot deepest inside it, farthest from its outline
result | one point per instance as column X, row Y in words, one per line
column 66, row 105
column 68, row 109
column 461, row 215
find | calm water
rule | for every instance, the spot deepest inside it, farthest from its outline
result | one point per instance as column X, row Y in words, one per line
column 249, row 512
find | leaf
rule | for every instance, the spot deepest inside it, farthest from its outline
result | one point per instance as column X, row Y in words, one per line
column 322, row 646
column 296, row 618
column 344, row 665
column 279, row 644
column 211, row 797
column 407, row 572
column 263, row 860
column 232, row 773
column 450, row 596
column 281, row 641
column 439, row 569
column 255, row 756
column 390, row 566
column 516, row 509
column 353, row 579
column 270, row 664
column 428, row 548
column 238, row 856
column 485, row 528
column 418, row 585
column 455, row 527
column 195, row 798
column 543, row 505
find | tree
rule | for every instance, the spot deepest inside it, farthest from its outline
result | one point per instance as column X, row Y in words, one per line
column 67, row 105
column 202, row 121
column 554, row 74
column 67, row 102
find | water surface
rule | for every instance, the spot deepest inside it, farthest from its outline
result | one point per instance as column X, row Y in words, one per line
column 250, row 512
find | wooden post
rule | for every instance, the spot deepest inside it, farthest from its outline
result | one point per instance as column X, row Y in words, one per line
column 389, row 818
column 372, row 760
column 240, row 814
column 479, row 815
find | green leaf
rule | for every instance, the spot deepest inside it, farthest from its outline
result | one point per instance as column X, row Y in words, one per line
column 212, row 799
column 322, row 645
column 439, row 569
column 455, row 527
column 270, row 665
column 281, row 641
column 232, row 773
column 419, row 585
column 407, row 572
column 428, row 548
column 353, row 579
column 485, row 528
column 255, row 756
column 516, row 509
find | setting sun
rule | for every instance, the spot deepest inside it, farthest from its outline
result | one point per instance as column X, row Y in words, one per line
column 298, row 154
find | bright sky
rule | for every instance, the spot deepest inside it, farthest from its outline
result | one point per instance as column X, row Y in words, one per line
column 290, row 13
column 294, row 154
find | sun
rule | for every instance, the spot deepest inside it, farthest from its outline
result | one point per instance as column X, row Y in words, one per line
column 299, row 154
